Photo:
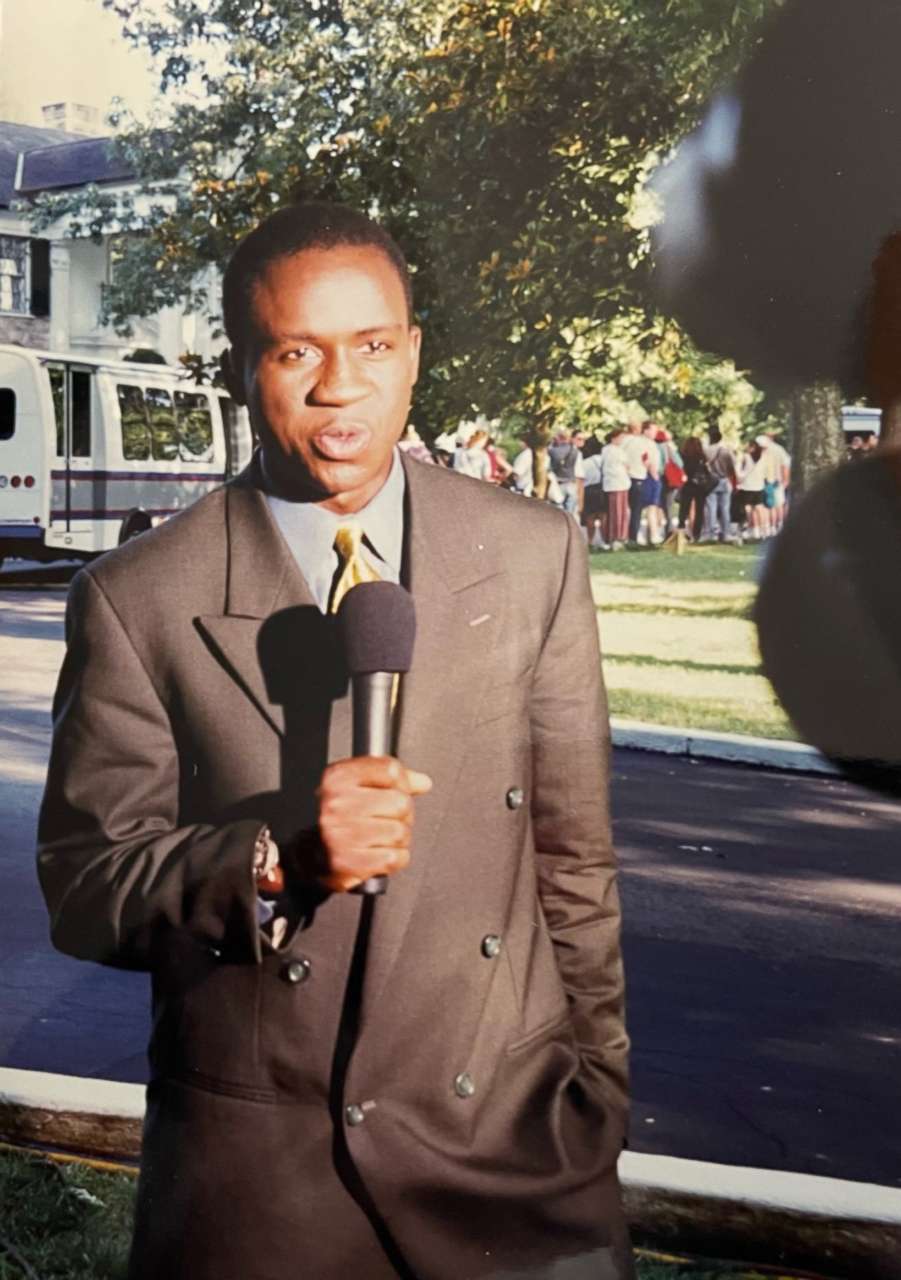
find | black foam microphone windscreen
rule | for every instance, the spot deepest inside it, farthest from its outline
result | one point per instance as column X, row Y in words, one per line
column 377, row 622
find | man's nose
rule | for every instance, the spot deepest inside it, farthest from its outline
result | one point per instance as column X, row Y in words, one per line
column 340, row 380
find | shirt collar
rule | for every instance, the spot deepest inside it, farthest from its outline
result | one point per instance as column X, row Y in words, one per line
column 314, row 527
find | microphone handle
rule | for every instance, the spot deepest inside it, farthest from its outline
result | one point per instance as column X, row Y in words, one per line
column 372, row 695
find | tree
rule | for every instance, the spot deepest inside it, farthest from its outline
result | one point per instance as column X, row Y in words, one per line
column 818, row 441
column 503, row 142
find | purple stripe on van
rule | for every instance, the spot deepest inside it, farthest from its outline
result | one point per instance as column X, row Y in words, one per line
column 74, row 474
column 107, row 514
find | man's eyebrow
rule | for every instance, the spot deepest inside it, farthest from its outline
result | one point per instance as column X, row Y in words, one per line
column 358, row 333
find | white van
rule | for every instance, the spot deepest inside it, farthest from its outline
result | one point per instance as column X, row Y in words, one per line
column 857, row 420
column 93, row 452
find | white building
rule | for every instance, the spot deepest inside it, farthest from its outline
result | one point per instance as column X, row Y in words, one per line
column 50, row 285
column 61, row 63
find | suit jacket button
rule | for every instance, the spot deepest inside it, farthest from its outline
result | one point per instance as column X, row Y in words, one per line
column 515, row 797
column 464, row 1085
column 491, row 946
column 354, row 1115
column 297, row 971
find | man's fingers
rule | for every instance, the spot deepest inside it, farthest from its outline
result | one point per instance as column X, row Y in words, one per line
column 378, row 772
column 362, row 864
column 418, row 783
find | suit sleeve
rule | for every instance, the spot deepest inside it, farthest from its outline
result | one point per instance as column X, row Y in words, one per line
column 571, row 820
column 115, row 867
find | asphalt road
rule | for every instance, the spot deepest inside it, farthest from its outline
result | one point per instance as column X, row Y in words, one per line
column 762, row 944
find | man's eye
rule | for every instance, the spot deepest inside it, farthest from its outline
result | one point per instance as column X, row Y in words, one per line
column 297, row 353
column 376, row 345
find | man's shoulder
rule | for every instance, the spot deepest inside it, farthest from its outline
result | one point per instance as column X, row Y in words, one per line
column 177, row 553
column 467, row 496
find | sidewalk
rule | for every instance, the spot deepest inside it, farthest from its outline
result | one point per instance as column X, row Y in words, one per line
column 735, row 748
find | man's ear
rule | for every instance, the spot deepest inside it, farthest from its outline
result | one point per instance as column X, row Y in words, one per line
column 228, row 365
column 415, row 336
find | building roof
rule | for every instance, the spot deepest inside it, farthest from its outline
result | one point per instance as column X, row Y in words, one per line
column 14, row 139
column 71, row 164
column 52, row 159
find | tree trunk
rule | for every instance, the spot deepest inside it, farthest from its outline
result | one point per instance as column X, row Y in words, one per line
column 818, row 442
column 890, row 426
column 540, row 469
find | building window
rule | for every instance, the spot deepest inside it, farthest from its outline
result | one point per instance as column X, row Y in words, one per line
column 14, row 274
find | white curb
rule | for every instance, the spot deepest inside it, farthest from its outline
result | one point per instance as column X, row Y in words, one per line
column 763, row 1188
column 767, row 753
column 802, row 1193
column 44, row 1091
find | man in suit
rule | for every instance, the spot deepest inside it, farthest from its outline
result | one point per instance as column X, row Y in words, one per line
column 431, row 1084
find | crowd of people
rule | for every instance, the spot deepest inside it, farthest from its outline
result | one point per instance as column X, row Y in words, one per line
column 637, row 487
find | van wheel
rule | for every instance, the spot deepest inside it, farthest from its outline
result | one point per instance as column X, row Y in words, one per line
column 135, row 523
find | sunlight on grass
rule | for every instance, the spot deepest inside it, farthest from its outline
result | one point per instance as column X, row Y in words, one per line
column 678, row 643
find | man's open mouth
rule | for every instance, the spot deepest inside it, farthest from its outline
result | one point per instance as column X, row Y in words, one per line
column 342, row 444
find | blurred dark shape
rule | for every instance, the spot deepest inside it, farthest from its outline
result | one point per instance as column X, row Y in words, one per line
column 829, row 619
column 775, row 208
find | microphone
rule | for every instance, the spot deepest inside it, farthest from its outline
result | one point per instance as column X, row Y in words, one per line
column 377, row 623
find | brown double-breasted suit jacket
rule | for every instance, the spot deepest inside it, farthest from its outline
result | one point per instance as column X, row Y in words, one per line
column 469, row 1121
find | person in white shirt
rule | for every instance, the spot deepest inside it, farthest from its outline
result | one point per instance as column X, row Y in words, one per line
column 523, row 474
column 652, row 497
column 751, row 480
column 472, row 460
column 593, row 501
column 782, row 464
column 617, row 484
column 636, row 449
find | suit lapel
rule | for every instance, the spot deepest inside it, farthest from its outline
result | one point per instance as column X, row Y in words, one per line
column 454, row 579
column 263, row 582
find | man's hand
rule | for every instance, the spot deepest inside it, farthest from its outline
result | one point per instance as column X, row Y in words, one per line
column 365, row 819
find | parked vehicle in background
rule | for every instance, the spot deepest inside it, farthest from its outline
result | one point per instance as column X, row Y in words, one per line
column 93, row 452
column 860, row 421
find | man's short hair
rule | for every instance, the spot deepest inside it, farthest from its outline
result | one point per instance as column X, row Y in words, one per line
column 291, row 230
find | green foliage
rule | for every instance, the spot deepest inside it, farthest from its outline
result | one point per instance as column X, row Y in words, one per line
column 642, row 367
column 145, row 355
column 504, row 142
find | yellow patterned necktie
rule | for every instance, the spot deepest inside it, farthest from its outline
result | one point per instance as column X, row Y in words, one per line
column 353, row 568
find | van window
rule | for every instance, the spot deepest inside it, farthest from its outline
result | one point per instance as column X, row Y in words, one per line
column 135, row 431
column 161, row 416
column 58, row 392
column 81, row 414
column 195, row 426
column 7, row 413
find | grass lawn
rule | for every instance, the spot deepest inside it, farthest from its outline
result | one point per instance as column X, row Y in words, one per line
column 71, row 1222
column 65, row 1221
column 678, row 642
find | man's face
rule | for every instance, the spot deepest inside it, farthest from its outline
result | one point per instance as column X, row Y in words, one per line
column 328, row 373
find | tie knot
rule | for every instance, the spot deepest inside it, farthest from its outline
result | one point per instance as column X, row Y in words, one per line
column 347, row 541
column 353, row 567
